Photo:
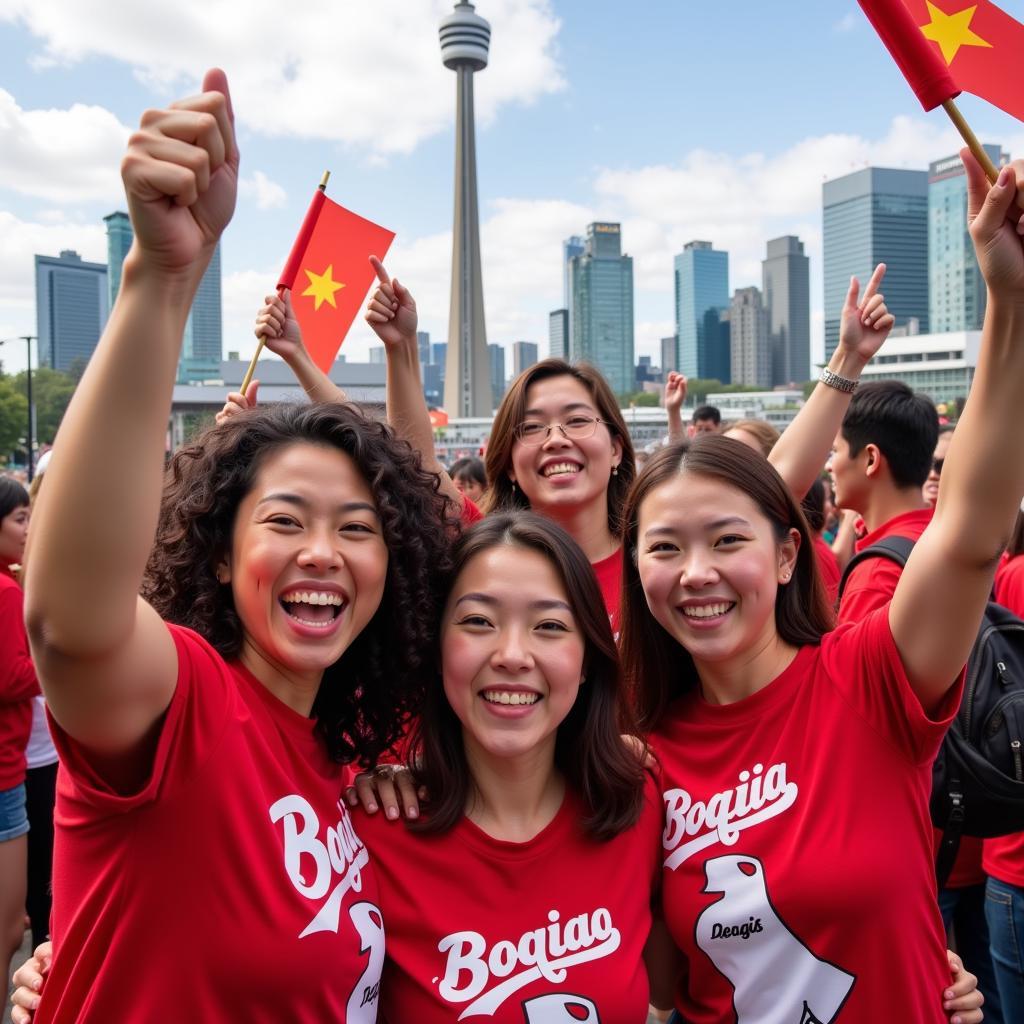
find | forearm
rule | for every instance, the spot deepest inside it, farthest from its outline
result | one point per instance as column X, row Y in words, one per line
column 983, row 474
column 94, row 527
column 317, row 385
column 801, row 452
column 406, row 406
column 676, row 430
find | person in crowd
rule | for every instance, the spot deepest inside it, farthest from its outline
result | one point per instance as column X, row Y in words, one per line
column 40, row 790
column 931, row 485
column 18, row 687
column 469, row 477
column 757, row 434
column 289, row 597
column 706, row 419
column 880, row 460
column 813, row 508
column 773, row 817
column 1003, row 857
column 520, row 859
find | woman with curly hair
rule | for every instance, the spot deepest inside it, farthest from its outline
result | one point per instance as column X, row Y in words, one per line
column 205, row 865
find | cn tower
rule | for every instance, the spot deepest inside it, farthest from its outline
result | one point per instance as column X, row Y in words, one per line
column 465, row 38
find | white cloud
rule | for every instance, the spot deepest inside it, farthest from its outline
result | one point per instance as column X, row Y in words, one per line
column 61, row 155
column 847, row 23
column 266, row 194
column 369, row 75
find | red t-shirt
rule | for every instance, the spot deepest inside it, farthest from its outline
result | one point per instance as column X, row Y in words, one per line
column 231, row 887
column 798, row 871
column 828, row 568
column 1004, row 856
column 516, row 933
column 470, row 512
column 609, row 578
column 18, row 684
column 872, row 583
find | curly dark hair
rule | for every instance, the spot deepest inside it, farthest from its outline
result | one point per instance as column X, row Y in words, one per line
column 368, row 695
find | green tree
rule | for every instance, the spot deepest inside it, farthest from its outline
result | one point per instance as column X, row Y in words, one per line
column 640, row 399
column 51, row 392
column 13, row 418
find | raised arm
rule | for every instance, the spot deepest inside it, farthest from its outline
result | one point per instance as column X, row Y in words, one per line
column 938, row 603
column 675, row 395
column 392, row 315
column 105, row 660
column 800, row 453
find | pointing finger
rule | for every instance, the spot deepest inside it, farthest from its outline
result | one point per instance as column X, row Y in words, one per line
column 378, row 269
column 875, row 282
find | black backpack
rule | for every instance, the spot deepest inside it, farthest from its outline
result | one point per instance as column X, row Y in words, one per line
column 978, row 776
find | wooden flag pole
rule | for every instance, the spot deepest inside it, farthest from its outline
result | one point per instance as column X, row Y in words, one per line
column 990, row 169
column 247, row 379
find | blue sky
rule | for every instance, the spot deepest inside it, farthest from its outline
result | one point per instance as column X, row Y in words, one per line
column 680, row 119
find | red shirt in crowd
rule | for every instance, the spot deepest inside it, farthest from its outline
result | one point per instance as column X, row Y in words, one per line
column 609, row 578
column 1003, row 856
column 232, row 886
column 516, row 933
column 828, row 568
column 797, row 849
column 18, row 683
column 872, row 583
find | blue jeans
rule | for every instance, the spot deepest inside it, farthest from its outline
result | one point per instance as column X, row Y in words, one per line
column 963, row 914
column 1004, row 909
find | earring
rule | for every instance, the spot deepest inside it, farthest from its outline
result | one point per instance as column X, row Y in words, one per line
column 615, row 470
column 513, row 488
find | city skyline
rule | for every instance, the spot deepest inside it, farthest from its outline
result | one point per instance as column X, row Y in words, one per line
column 568, row 133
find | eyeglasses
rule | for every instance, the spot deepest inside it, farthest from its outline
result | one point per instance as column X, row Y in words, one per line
column 576, row 428
column 937, row 466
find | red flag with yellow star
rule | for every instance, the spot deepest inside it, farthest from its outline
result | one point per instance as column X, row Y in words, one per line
column 329, row 274
column 968, row 45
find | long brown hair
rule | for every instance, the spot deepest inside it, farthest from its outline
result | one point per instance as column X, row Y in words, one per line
column 502, row 497
column 657, row 667
column 601, row 769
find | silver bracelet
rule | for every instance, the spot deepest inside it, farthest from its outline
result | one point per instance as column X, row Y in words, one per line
column 833, row 380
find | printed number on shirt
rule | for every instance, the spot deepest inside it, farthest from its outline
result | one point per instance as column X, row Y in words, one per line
column 362, row 1003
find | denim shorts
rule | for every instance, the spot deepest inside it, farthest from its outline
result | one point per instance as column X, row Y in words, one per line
column 13, row 819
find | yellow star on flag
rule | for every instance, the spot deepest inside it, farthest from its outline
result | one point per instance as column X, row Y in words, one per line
column 322, row 287
column 951, row 31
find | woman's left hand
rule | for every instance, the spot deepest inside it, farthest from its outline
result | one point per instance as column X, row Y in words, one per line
column 390, row 786
column 963, row 999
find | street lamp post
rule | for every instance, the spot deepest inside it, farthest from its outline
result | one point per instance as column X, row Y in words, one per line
column 28, row 339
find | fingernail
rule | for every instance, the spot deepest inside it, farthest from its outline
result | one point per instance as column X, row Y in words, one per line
column 950, row 993
column 412, row 813
column 392, row 813
column 372, row 808
column 1004, row 177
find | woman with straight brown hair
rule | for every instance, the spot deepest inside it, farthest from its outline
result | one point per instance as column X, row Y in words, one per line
column 796, row 763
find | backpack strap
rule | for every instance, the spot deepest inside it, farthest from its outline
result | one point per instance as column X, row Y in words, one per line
column 895, row 549
column 951, row 832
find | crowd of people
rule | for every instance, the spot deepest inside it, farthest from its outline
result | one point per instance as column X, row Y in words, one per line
column 345, row 735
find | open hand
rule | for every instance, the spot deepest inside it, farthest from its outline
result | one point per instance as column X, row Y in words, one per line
column 391, row 311
column 866, row 322
column 181, row 177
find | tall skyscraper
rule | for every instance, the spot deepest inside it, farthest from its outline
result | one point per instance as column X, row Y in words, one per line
column 751, row 361
column 423, row 344
column 785, row 275
column 669, row 355
column 119, row 241
column 572, row 246
column 72, row 305
column 956, row 289
column 465, row 38
column 558, row 334
column 496, row 353
column 602, row 313
column 702, row 293
column 202, row 347
column 524, row 355
column 202, row 344
column 877, row 215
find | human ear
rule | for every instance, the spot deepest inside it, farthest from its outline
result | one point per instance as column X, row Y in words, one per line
column 788, row 549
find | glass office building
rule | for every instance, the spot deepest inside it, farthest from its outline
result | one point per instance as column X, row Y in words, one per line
column 701, row 296
column 72, row 305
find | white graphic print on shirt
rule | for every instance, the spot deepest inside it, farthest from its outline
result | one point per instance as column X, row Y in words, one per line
column 546, row 952
column 776, row 978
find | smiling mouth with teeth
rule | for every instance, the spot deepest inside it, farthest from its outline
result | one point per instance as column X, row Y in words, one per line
column 504, row 697
column 312, row 607
column 708, row 611
column 560, row 468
